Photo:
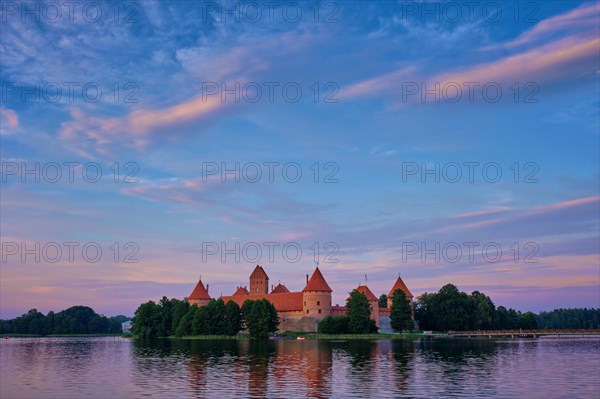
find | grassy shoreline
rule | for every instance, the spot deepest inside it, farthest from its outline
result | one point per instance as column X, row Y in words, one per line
column 17, row 335
column 311, row 336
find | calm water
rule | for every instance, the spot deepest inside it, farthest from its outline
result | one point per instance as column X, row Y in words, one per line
column 120, row 368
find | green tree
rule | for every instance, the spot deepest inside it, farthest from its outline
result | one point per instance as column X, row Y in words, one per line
column 528, row 321
column 233, row 318
column 200, row 320
column 217, row 316
column 334, row 325
column 482, row 311
column 246, row 310
column 501, row 319
column 448, row 309
column 359, row 313
column 425, row 311
column 166, row 317
column 401, row 312
column 260, row 318
column 180, row 308
column 147, row 320
column 513, row 318
column 383, row 301
column 326, row 326
column 452, row 309
column 185, row 324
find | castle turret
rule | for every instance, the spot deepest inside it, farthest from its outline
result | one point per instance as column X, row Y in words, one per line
column 399, row 285
column 199, row 295
column 373, row 302
column 259, row 281
column 317, row 296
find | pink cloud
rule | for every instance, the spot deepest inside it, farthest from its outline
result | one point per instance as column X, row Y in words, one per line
column 9, row 121
column 584, row 18
column 379, row 84
column 572, row 54
column 564, row 58
column 136, row 128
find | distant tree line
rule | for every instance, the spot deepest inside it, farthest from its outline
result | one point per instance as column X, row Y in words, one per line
column 451, row 309
column 570, row 319
column 176, row 317
column 74, row 320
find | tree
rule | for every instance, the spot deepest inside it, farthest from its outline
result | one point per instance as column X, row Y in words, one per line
column 326, row 326
column 527, row 321
column 166, row 317
column 482, row 311
column 185, row 324
column 334, row 325
column 401, row 312
column 383, row 301
column 359, row 313
column 425, row 311
column 452, row 309
column 233, row 318
column 201, row 320
column 147, row 320
column 260, row 318
column 216, row 313
column 501, row 319
column 180, row 308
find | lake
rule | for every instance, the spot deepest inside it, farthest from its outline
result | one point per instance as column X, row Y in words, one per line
column 111, row 367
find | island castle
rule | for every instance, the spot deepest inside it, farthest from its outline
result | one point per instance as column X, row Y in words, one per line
column 303, row 310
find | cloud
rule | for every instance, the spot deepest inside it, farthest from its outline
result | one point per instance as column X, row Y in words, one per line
column 388, row 82
column 233, row 201
column 566, row 58
column 583, row 19
column 136, row 129
column 9, row 121
column 564, row 48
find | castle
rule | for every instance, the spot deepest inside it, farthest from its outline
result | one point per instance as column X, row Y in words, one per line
column 303, row 310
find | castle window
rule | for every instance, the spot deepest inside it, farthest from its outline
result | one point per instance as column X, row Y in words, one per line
column 307, row 311
column 318, row 303
column 319, row 310
column 304, row 303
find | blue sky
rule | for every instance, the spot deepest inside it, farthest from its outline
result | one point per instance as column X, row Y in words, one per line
column 164, row 115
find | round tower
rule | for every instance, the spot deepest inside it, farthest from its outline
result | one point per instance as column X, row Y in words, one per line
column 316, row 296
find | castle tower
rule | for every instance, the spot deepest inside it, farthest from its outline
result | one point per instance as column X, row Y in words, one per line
column 373, row 302
column 316, row 296
column 400, row 285
column 259, row 281
column 199, row 295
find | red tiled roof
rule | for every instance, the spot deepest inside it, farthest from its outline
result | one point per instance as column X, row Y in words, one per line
column 280, row 289
column 365, row 290
column 317, row 283
column 258, row 272
column 287, row 301
column 241, row 291
column 199, row 292
column 400, row 285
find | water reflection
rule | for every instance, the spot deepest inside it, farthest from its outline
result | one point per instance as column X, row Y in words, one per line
column 98, row 367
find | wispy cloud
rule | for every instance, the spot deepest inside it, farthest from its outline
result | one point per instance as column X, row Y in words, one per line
column 9, row 121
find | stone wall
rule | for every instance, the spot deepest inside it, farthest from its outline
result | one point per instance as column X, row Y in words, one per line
column 299, row 324
column 385, row 325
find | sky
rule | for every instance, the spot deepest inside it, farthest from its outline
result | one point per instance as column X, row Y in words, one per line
column 147, row 143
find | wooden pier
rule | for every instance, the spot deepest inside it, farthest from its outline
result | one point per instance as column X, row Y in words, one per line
column 523, row 333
